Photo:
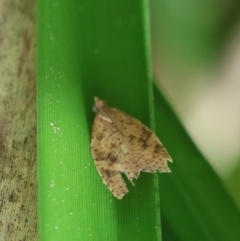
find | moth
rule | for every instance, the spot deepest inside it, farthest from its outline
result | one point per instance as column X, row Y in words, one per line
column 122, row 144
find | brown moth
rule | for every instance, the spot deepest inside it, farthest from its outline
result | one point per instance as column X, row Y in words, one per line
column 121, row 143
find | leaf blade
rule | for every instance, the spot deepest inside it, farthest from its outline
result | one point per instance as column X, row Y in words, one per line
column 208, row 203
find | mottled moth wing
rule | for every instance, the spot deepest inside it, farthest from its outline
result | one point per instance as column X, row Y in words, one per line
column 106, row 152
column 121, row 143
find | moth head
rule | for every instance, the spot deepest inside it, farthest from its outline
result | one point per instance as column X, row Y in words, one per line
column 98, row 104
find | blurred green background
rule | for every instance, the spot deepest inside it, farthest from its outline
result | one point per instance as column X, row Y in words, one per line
column 114, row 50
column 196, row 57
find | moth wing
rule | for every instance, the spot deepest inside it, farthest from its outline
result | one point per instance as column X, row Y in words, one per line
column 144, row 150
column 121, row 143
column 105, row 147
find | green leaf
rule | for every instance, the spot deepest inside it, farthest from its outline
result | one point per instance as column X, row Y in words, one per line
column 194, row 203
column 101, row 48
column 86, row 49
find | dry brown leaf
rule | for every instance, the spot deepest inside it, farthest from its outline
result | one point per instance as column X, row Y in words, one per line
column 121, row 143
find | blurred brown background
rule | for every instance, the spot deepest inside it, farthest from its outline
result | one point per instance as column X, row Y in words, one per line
column 18, row 188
